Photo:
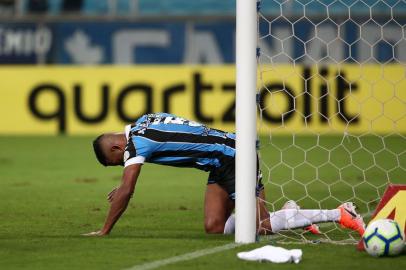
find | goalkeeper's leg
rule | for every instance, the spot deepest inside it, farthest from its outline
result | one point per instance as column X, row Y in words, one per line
column 272, row 222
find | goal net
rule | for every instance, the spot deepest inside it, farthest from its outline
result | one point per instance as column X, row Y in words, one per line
column 331, row 94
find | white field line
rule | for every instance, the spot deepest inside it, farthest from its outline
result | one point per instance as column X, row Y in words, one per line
column 191, row 255
column 184, row 257
column 208, row 251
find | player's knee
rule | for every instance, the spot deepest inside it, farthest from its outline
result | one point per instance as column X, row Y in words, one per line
column 214, row 225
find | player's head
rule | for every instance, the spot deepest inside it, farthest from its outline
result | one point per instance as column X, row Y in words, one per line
column 109, row 148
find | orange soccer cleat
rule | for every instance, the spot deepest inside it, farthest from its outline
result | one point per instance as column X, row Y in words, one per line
column 314, row 229
column 350, row 219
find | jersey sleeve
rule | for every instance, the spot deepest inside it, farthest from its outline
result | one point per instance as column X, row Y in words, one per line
column 136, row 151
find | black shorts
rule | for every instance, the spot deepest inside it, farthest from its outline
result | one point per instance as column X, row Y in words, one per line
column 225, row 177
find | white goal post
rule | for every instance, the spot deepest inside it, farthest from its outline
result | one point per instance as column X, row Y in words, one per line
column 246, row 75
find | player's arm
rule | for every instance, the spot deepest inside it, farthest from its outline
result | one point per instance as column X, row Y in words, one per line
column 120, row 198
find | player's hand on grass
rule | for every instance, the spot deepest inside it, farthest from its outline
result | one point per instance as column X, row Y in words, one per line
column 96, row 233
column 110, row 196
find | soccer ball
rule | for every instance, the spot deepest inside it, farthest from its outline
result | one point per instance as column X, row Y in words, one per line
column 383, row 237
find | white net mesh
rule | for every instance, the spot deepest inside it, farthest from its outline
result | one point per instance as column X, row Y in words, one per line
column 332, row 104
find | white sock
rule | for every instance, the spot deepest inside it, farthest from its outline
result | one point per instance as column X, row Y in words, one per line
column 229, row 227
column 296, row 218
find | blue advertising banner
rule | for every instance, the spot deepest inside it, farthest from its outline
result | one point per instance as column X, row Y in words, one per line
column 176, row 42
column 126, row 43
column 145, row 43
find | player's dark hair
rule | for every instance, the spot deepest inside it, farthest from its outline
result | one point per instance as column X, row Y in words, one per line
column 101, row 157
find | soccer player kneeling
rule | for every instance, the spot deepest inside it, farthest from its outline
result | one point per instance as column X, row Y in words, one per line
column 167, row 139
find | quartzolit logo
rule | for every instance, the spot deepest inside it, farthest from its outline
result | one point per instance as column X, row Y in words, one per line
column 196, row 89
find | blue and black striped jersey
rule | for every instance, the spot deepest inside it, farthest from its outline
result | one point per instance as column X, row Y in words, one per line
column 167, row 139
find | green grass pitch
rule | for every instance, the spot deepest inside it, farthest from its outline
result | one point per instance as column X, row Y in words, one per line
column 52, row 190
